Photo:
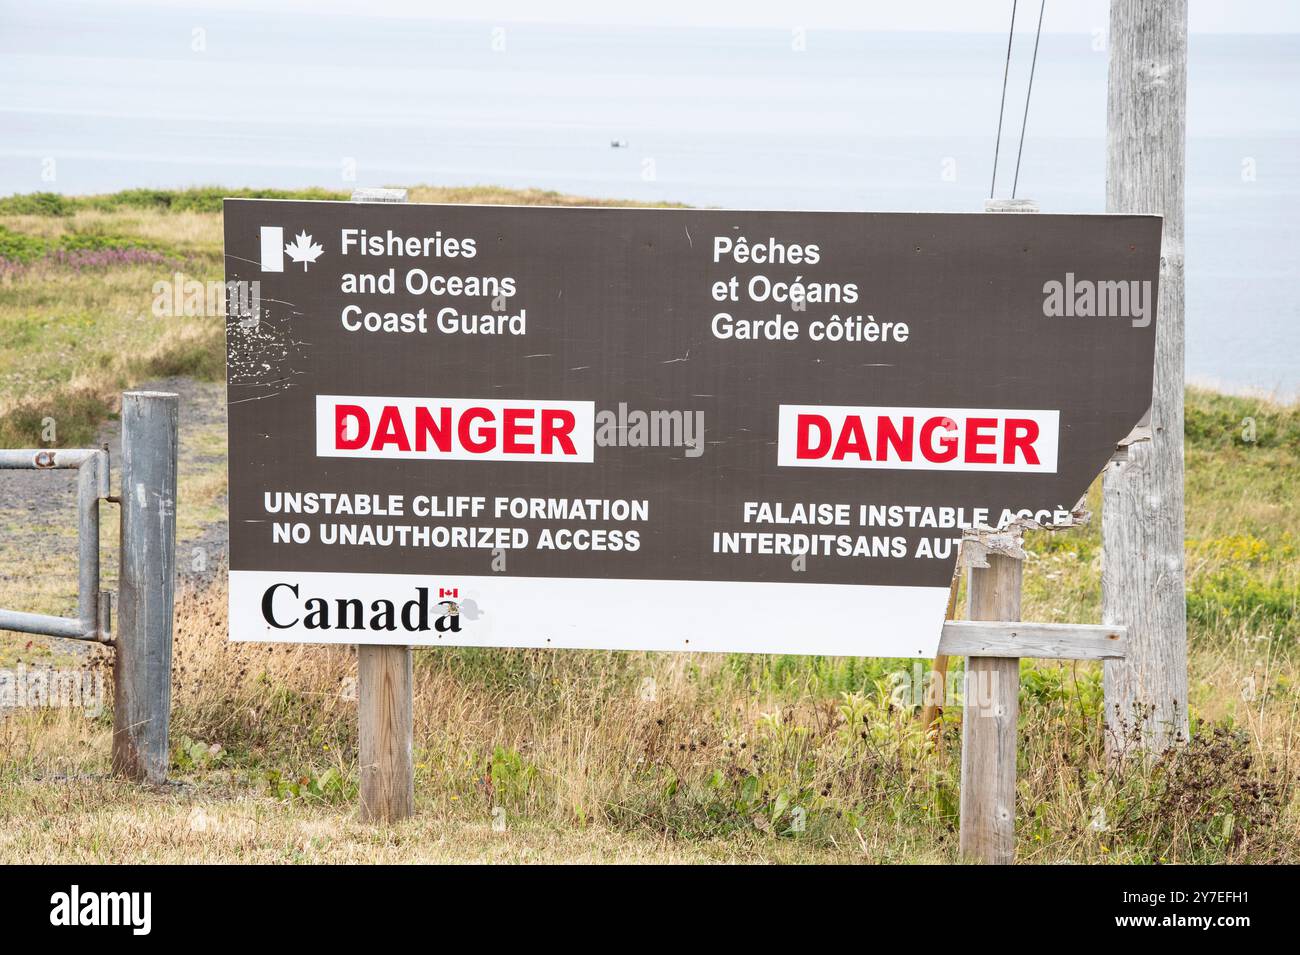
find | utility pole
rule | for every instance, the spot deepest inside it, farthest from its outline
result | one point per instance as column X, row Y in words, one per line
column 1142, row 498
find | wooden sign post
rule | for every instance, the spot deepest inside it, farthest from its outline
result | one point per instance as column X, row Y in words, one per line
column 385, row 702
column 385, row 696
column 988, row 728
column 993, row 642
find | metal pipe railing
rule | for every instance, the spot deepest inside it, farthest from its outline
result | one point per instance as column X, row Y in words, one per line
column 93, row 604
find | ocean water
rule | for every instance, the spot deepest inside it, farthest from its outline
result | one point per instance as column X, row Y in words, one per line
column 94, row 99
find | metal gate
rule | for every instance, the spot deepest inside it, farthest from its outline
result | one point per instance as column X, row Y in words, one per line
column 142, row 658
column 93, row 603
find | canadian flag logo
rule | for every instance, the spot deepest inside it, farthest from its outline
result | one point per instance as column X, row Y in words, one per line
column 303, row 249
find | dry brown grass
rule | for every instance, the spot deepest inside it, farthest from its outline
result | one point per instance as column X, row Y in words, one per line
column 585, row 769
column 496, row 195
column 103, row 821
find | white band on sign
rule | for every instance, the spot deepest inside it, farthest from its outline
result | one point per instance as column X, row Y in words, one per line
column 272, row 248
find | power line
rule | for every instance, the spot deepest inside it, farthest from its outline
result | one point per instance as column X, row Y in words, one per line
column 997, row 144
column 1028, row 93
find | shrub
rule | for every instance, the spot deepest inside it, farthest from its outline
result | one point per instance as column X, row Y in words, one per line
column 36, row 204
column 1218, row 421
column 1207, row 801
column 19, row 247
column 200, row 199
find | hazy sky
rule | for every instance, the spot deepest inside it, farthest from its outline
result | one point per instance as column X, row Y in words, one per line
column 965, row 16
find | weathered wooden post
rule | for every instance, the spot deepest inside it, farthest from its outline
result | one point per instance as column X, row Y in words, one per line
column 385, row 696
column 1142, row 497
column 142, row 668
column 991, row 709
column 384, row 721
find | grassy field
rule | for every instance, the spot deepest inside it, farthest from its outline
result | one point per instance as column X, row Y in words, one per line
column 590, row 756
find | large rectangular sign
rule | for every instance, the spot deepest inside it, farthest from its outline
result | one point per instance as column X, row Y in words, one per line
column 659, row 429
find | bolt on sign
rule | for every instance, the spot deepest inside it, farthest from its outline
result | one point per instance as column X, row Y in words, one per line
column 655, row 428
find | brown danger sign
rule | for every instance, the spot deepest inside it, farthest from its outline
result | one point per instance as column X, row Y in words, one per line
column 659, row 429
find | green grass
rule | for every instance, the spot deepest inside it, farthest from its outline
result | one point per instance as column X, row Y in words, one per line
column 1218, row 422
column 18, row 247
column 205, row 199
